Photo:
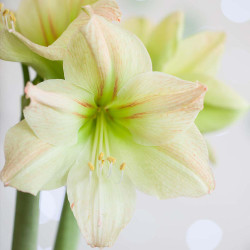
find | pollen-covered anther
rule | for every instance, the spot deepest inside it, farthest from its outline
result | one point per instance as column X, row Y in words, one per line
column 122, row 168
column 6, row 12
column 5, row 16
column 102, row 162
column 100, row 157
column 12, row 17
column 91, row 166
column 12, row 20
column 1, row 7
column 111, row 161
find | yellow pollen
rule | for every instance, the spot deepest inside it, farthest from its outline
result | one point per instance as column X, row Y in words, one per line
column 123, row 166
column 103, row 161
column 91, row 166
column 6, row 12
column 111, row 159
column 12, row 17
column 101, row 155
column 1, row 7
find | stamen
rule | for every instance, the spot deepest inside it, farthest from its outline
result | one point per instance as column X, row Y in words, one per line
column 122, row 168
column 1, row 11
column 101, row 165
column 12, row 20
column 5, row 16
column 1, row 7
column 111, row 161
column 91, row 168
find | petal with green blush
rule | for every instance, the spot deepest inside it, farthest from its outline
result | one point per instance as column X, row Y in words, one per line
column 58, row 110
column 49, row 18
column 179, row 168
column 99, row 58
column 12, row 49
column 199, row 53
column 164, row 40
column 222, row 104
column 28, row 161
column 155, row 107
column 56, row 51
column 139, row 26
column 14, row 46
column 102, row 206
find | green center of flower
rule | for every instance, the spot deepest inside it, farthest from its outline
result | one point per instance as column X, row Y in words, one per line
column 101, row 162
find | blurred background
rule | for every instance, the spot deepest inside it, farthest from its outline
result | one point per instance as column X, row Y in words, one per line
column 218, row 221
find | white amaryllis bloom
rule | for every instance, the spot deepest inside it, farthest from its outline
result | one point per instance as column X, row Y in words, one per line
column 110, row 127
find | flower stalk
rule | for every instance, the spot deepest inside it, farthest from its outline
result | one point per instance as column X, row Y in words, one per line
column 26, row 222
column 27, row 206
column 68, row 232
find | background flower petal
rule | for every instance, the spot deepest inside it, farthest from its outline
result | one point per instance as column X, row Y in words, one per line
column 222, row 105
column 164, row 40
column 199, row 53
column 12, row 49
column 141, row 27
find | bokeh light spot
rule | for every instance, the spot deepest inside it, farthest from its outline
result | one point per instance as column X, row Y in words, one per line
column 204, row 234
column 236, row 11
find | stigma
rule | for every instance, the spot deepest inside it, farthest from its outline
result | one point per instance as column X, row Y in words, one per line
column 8, row 17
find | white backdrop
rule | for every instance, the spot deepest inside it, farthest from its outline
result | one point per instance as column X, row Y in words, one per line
column 218, row 221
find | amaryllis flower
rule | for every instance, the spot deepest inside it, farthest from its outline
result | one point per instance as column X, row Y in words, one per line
column 195, row 58
column 38, row 33
column 110, row 127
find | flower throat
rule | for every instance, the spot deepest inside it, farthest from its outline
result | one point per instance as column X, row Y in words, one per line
column 101, row 162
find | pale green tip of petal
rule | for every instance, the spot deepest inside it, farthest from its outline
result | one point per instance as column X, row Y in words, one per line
column 88, row 10
column 211, row 154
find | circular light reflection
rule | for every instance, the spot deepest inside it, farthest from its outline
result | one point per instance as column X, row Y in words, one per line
column 203, row 234
column 237, row 11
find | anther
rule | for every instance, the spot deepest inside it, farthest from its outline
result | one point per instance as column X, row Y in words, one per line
column 12, row 17
column 111, row 161
column 122, row 168
column 91, row 167
column 6, row 12
column 1, row 7
column 5, row 17
column 101, row 165
column 101, row 155
column 12, row 20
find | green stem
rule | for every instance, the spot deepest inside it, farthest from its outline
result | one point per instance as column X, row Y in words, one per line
column 68, row 232
column 26, row 222
column 26, row 74
column 27, row 206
